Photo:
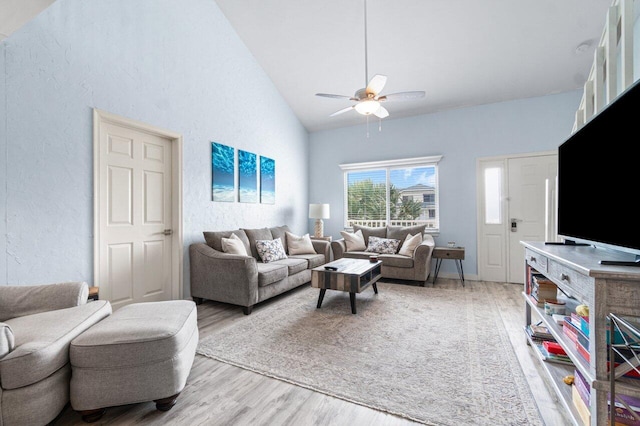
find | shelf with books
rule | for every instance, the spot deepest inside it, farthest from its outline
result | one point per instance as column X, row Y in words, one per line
column 542, row 353
column 557, row 372
column 560, row 337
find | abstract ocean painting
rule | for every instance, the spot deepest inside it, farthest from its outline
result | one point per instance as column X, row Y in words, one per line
column 267, row 180
column 248, row 177
column 222, row 168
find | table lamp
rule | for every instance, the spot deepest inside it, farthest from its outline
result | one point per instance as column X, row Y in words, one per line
column 319, row 212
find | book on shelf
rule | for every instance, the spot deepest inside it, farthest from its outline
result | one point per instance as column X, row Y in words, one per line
column 581, row 407
column 543, row 288
column 583, row 388
column 540, row 332
column 546, row 356
column 558, row 319
column 570, row 330
column 554, row 348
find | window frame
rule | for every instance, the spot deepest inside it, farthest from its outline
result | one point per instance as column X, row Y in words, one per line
column 388, row 165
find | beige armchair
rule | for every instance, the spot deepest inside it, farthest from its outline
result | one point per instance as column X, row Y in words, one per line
column 395, row 266
column 37, row 324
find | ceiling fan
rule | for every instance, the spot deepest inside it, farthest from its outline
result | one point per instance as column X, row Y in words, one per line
column 368, row 99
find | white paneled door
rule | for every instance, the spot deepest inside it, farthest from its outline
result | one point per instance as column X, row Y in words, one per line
column 135, row 228
column 516, row 202
column 531, row 206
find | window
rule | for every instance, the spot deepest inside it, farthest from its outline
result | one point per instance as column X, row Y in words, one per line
column 492, row 196
column 398, row 192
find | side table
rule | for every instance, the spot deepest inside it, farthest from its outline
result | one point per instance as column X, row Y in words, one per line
column 455, row 253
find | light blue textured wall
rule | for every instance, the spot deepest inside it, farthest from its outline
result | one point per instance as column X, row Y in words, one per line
column 461, row 136
column 174, row 64
column 3, row 169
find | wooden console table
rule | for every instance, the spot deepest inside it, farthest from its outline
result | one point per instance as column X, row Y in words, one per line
column 605, row 289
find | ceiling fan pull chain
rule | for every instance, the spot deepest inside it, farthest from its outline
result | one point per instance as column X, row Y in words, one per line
column 367, row 126
column 379, row 124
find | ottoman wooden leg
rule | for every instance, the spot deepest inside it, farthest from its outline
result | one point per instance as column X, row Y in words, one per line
column 166, row 404
column 91, row 416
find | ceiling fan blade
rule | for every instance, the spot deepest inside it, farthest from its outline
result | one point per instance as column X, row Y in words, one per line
column 381, row 112
column 376, row 84
column 341, row 111
column 402, row 96
column 328, row 95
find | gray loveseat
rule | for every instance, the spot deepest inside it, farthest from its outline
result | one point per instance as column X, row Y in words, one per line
column 395, row 266
column 246, row 280
column 37, row 325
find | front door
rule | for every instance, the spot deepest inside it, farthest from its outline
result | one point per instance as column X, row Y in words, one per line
column 531, row 206
column 135, row 259
column 516, row 202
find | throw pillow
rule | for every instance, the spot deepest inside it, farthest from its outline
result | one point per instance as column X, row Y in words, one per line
column 401, row 232
column 410, row 244
column 234, row 245
column 270, row 250
column 382, row 245
column 7, row 341
column 354, row 241
column 299, row 244
column 368, row 231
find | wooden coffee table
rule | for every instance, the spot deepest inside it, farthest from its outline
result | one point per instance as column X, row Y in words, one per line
column 352, row 276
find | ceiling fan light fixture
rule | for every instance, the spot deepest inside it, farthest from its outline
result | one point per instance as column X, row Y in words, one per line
column 367, row 107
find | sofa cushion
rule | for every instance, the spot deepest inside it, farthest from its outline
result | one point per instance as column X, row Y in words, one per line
column 396, row 260
column 401, row 232
column 270, row 250
column 367, row 231
column 313, row 260
column 382, row 245
column 357, row 254
column 7, row 341
column 234, row 245
column 280, row 232
column 410, row 244
column 214, row 239
column 354, row 241
column 269, row 273
column 257, row 234
column 42, row 342
column 299, row 244
column 293, row 265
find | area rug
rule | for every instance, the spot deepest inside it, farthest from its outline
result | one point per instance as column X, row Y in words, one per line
column 435, row 356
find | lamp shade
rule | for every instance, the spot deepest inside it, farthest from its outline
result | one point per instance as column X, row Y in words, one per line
column 319, row 211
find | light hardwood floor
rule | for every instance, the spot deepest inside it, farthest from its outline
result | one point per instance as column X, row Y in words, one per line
column 220, row 394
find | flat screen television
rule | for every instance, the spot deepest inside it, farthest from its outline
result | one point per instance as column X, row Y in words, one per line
column 599, row 179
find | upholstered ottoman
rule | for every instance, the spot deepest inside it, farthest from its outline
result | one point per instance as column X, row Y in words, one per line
column 142, row 352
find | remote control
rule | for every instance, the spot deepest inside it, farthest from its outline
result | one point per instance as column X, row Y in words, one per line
column 330, row 268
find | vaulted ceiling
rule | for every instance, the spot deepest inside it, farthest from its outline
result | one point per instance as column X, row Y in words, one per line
column 461, row 53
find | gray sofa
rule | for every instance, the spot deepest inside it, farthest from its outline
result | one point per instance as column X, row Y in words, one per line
column 395, row 266
column 246, row 280
column 37, row 325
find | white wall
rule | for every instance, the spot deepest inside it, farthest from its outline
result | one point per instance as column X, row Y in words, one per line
column 460, row 136
column 174, row 64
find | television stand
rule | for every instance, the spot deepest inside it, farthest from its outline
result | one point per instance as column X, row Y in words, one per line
column 622, row 262
column 566, row 243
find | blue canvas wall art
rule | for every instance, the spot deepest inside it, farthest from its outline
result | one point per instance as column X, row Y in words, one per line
column 247, row 177
column 267, row 180
column 222, row 172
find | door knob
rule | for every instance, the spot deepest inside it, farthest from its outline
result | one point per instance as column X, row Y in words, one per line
column 167, row 231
